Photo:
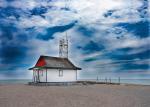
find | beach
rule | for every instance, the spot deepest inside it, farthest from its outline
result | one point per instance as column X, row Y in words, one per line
column 99, row 95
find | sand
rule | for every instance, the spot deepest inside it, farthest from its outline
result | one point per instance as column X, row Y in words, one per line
column 74, row 96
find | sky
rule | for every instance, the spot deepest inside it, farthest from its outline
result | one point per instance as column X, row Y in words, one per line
column 106, row 37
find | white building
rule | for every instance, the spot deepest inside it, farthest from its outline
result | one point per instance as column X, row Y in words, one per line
column 54, row 69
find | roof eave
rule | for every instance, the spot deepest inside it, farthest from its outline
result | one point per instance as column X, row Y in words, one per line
column 79, row 68
column 36, row 68
column 76, row 68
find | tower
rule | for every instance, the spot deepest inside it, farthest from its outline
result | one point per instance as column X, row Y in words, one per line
column 63, row 47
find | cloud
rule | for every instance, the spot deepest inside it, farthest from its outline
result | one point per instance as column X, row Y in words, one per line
column 3, row 3
column 39, row 10
column 25, row 5
column 56, row 29
column 100, row 31
column 34, row 21
column 135, row 28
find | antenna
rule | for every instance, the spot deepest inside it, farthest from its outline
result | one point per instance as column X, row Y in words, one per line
column 67, row 3
column 63, row 47
column 60, row 48
column 132, row 13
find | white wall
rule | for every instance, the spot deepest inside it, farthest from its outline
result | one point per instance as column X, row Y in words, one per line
column 53, row 76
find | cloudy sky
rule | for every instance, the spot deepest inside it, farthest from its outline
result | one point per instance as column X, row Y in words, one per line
column 106, row 37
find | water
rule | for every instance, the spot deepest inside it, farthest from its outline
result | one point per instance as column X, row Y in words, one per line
column 122, row 81
column 126, row 81
column 15, row 81
column 136, row 81
column 132, row 81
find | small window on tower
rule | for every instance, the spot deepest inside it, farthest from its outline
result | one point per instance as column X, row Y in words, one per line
column 60, row 72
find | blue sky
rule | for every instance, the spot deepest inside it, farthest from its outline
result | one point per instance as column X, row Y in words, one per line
column 107, row 37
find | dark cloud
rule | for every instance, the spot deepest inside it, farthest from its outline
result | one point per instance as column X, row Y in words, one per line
column 90, row 59
column 143, row 9
column 65, row 8
column 140, row 29
column 86, row 31
column 132, row 66
column 121, row 54
column 10, row 32
column 38, row 10
column 12, row 54
column 13, row 49
column 109, row 13
column 9, row 11
column 52, row 30
column 12, row 11
column 92, row 47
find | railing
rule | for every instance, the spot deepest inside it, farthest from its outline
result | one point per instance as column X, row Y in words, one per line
column 105, row 80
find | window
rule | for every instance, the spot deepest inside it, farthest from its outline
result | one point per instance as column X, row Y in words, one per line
column 60, row 72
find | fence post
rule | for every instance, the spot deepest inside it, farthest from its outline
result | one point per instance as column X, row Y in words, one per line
column 110, row 80
column 106, row 80
column 119, row 80
column 99, row 79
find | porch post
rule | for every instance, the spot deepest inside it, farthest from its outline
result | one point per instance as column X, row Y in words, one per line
column 38, row 76
column 33, row 76
column 46, row 74
column 76, row 74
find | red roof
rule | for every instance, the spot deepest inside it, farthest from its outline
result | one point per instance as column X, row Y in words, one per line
column 54, row 63
column 41, row 62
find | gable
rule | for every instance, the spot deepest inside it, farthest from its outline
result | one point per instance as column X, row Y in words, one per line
column 41, row 62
